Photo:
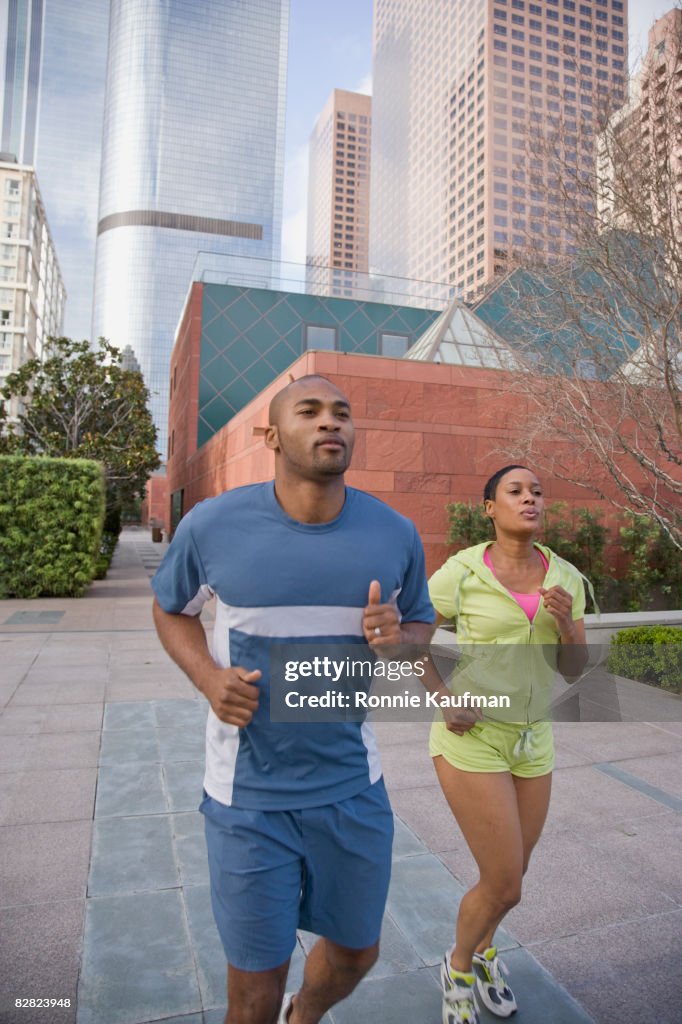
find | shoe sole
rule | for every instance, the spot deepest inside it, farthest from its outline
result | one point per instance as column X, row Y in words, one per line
column 492, row 1008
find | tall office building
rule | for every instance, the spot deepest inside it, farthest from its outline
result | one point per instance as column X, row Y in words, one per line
column 338, row 194
column 640, row 149
column 456, row 86
column 192, row 159
column 52, row 68
column 31, row 289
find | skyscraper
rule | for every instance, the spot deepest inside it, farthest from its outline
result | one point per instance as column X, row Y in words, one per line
column 456, row 86
column 337, row 246
column 31, row 289
column 192, row 159
column 640, row 158
column 52, row 68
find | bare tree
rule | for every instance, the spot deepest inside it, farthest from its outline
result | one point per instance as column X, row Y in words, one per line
column 595, row 309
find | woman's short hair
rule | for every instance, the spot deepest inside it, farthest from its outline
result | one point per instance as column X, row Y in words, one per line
column 490, row 489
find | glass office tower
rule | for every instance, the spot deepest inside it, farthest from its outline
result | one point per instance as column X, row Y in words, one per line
column 53, row 59
column 192, row 159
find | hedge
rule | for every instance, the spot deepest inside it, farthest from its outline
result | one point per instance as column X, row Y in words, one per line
column 650, row 654
column 51, row 516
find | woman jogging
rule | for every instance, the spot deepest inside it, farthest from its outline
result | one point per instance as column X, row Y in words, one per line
column 496, row 775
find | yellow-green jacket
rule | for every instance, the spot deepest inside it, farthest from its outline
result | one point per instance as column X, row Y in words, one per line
column 486, row 615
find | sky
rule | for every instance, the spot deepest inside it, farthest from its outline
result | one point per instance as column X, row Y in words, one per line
column 330, row 47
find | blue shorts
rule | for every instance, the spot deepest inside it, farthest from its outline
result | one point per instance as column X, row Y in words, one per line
column 323, row 869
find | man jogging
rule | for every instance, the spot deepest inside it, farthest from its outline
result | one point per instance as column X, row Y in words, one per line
column 296, row 813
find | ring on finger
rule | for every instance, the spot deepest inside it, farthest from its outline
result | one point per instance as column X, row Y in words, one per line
column 377, row 630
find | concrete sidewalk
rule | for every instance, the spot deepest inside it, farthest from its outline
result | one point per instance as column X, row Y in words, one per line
column 103, row 887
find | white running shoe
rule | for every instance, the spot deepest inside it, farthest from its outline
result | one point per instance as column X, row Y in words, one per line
column 458, row 995
column 492, row 989
column 287, row 1003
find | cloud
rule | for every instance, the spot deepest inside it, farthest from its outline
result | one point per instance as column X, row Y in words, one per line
column 365, row 85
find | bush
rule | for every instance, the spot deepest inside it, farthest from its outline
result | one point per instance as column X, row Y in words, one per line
column 468, row 524
column 106, row 553
column 649, row 654
column 51, row 516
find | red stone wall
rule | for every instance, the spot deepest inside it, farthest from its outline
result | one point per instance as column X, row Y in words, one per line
column 427, row 435
column 153, row 509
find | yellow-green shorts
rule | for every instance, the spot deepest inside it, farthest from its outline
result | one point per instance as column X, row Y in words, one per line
column 526, row 751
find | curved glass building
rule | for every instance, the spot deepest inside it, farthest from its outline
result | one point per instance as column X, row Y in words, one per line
column 192, row 159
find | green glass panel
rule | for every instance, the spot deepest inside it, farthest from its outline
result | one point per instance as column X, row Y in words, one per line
column 280, row 358
column 264, row 300
column 217, row 413
column 263, row 336
column 359, row 330
column 220, row 373
column 239, row 393
column 207, row 392
column 242, row 314
column 241, row 354
column 282, row 317
column 259, row 376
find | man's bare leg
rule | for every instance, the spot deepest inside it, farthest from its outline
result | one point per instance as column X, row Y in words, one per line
column 331, row 973
column 254, row 997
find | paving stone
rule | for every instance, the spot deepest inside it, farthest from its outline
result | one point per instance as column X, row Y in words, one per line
column 184, row 784
column 20, row 721
column 58, row 693
column 130, row 690
column 577, row 880
column 132, row 746
column 182, row 744
column 66, row 718
column 66, row 794
column 137, row 960
column 40, row 957
column 206, row 945
column 611, row 741
column 627, row 972
column 399, row 999
column 129, row 716
column 27, row 875
column 132, row 855
column 407, row 768
column 609, row 801
column 65, row 750
column 176, row 714
column 130, row 789
column 190, row 848
column 426, row 813
column 661, row 771
column 405, row 842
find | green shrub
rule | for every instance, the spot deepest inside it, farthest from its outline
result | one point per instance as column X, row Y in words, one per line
column 106, row 553
column 649, row 654
column 51, row 516
column 468, row 524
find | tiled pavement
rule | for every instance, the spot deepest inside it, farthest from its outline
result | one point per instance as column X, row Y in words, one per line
column 103, row 890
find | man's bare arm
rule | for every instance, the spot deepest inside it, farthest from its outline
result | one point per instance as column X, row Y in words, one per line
column 229, row 691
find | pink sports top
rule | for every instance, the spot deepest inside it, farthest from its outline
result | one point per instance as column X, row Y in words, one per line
column 528, row 602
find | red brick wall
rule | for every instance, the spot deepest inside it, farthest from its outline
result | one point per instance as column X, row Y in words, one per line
column 427, row 435
column 153, row 510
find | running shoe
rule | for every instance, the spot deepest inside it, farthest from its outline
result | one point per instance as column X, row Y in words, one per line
column 492, row 989
column 458, row 995
column 287, row 1003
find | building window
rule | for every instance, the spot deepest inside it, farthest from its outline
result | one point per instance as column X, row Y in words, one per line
column 393, row 345
column 12, row 186
column 12, row 209
column 320, row 337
